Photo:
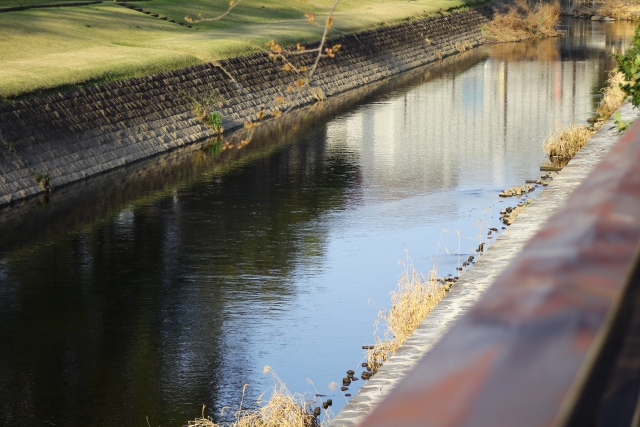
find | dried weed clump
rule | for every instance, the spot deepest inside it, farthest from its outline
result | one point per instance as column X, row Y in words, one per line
column 521, row 21
column 282, row 409
column 565, row 143
column 612, row 97
column 413, row 299
column 619, row 9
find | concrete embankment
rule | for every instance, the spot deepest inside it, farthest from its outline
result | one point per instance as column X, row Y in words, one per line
column 73, row 136
column 473, row 284
column 93, row 199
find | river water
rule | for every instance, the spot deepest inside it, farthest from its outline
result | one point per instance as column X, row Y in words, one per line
column 152, row 291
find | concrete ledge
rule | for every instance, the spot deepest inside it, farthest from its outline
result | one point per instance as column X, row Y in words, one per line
column 464, row 294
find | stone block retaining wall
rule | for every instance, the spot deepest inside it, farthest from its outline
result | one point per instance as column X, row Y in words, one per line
column 72, row 136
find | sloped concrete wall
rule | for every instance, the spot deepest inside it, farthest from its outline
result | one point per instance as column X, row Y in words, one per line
column 76, row 135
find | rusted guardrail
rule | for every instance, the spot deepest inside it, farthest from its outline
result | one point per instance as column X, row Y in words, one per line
column 556, row 340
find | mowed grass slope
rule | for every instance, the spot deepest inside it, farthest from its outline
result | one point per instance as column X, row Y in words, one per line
column 12, row 3
column 58, row 48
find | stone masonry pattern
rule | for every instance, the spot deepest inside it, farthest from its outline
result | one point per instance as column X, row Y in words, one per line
column 73, row 136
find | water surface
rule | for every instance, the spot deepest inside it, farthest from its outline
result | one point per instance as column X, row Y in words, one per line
column 153, row 293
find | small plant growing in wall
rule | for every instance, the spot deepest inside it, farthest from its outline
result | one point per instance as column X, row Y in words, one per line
column 204, row 108
column 43, row 180
column 11, row 146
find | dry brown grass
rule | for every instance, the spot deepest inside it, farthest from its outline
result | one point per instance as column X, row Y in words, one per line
column 612, row 96
column 282, row 409
column 413, row 299
column 521, row 21
column 619, row 9
column 463, row 46
column 565, row 143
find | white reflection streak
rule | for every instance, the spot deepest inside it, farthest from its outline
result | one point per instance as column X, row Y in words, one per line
column 174, row 198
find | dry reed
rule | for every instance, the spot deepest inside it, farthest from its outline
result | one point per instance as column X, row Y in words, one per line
column 619, row 9
column 413, row 299
column 565, row 143
column 282, row 409
column 612, row 96
column 521, row 21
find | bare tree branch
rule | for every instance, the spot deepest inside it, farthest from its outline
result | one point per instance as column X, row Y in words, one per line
column 275, row 52
column 232, row 5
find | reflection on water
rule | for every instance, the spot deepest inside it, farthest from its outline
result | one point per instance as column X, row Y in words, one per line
column 155, row 294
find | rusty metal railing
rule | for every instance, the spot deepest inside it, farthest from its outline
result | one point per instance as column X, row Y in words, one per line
column 556, row 340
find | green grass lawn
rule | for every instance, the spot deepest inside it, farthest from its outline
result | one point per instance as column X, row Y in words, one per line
column 57, row 48
column 11, row 3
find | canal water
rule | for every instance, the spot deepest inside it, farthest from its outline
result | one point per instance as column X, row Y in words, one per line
column 147, row 293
